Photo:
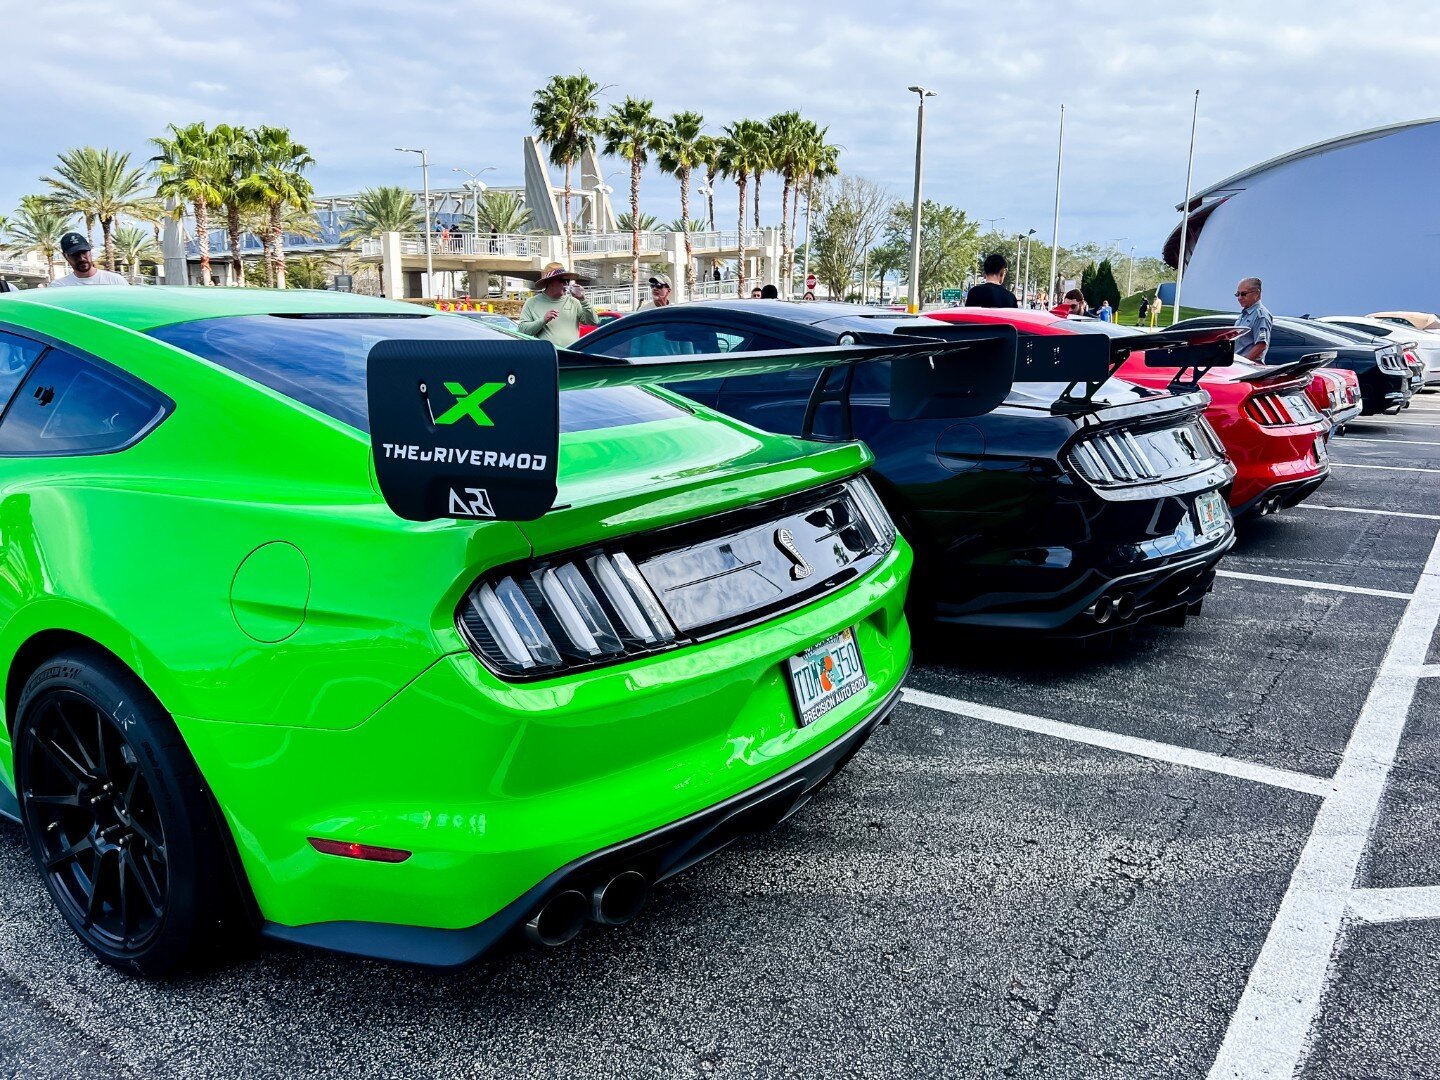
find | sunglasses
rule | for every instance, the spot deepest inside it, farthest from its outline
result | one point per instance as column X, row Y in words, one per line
column 1244, row 292
column 657, row 288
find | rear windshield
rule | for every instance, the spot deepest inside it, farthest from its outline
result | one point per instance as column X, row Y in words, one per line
column 320, row 362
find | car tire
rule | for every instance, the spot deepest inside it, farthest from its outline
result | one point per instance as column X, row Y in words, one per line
column 119, row 820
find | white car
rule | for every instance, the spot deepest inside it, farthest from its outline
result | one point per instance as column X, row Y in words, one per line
column 1427, row 342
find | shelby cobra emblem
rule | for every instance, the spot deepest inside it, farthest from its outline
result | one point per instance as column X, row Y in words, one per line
column 785, row 541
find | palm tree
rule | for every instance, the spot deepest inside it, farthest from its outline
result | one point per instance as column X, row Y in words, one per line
column 237, row 152
column 644, row 223
column 503, row 212
column 188, row 169
column 631, row 131
column 742, row 154
column 380, row 210
column 564, row 115
column 817, row 160
column 787, row 131
column 278, row 183
column 37, row 227
column 134, row 245
column 681, row 225
column 99, row 185
column 682, row 149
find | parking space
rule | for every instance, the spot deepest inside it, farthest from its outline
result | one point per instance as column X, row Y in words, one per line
column 1190, row 856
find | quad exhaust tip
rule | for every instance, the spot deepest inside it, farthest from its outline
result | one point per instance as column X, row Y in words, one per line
column 1101, row 610
column 620, row 899
column 559, row 919
column 1125, row 607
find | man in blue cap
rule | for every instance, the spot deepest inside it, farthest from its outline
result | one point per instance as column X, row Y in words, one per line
column 83, row 270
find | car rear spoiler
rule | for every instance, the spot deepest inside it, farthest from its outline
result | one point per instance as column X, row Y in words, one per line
column 1284, row 372
column 471, row 429
column 1193, row 351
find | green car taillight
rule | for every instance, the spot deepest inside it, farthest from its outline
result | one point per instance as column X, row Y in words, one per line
column 599, row 607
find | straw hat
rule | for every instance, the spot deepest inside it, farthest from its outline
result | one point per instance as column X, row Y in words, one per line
column 556, row 270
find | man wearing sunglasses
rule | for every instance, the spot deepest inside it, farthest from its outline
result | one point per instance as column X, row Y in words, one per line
column 1255, row 318
column 659, row 292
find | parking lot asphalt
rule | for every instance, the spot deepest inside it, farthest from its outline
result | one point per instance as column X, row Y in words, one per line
column 1189, row 857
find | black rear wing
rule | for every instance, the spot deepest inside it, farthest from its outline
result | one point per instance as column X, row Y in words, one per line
column 1286, row 372
column 1190, row 352
column 471, row 430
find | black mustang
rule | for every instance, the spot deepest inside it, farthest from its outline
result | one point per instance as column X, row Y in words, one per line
column 1074, row 512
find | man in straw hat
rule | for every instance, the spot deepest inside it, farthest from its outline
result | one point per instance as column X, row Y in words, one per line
column 558, row 307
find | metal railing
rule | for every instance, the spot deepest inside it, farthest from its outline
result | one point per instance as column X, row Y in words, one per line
column 466, row 243
column 478, row 245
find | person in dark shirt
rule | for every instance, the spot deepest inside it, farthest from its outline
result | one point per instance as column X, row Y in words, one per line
column 992, row 292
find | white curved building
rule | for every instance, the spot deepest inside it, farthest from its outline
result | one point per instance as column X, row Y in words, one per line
column 1350, row 225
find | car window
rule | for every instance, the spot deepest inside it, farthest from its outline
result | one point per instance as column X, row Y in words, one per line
column 1279, row 335
column 72, row 406
column 665, row 339
column 17, row 356
column 320, row 362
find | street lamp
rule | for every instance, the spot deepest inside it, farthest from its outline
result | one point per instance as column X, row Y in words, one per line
column 476, row 187
column 915, row 217
column 1130, row 281
column 1025, row 269
column 425, row 173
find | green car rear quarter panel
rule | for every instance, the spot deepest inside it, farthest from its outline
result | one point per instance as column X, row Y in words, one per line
column 240, row 560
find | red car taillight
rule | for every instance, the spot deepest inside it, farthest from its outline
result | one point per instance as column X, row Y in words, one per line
column 1281, row 409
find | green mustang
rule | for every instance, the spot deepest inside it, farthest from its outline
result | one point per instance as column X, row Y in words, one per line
column 526, row 655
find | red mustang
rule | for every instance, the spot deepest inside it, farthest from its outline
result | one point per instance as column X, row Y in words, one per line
column 1272, row 433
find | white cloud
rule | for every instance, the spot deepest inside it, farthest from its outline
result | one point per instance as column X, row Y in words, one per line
column 353, row 80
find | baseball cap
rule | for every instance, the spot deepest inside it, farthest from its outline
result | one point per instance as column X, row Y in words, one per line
column 658, row 280
column 72, row 242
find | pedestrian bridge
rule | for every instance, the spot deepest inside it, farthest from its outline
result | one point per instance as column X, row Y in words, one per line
column 602, row 257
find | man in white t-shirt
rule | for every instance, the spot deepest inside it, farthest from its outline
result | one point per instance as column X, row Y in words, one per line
column 76, row 250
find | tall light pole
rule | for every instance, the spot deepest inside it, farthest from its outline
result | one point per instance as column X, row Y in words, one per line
column 1130, row 281
column 1029, row 266
column 1185, row 216
column 915, row 217
column 476, row 187
column 1055, row 232
column 425, row 173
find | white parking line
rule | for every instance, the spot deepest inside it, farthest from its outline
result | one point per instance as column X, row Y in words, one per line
column 1395, row 905
column 1345, row 439
column 1384, row 468
column 1427, row 671
column 1125, row 744
column 1268, row 1031
column 1363, row 510
column 1302, row 583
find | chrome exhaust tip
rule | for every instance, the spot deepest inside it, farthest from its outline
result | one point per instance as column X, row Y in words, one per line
column 1102, row 609
column 1125, row 606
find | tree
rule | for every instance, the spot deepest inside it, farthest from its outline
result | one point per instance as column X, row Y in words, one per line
column 681, row 150
column 100, row 185
column 817, row 160
column 189, row 168
column 564, row 115
column 37, row 227
column 503, row 212
column 853, row 213
column 787, row 141
column 644, row 223
column 309, row 272
column 1103, row 286
column 949, row 244
column 1087, row 285
column 278, row 183
column 378, row 210
column 134, row 245
column 631, row 132
column 237, row 155
column 680, row 225
column 742, row 153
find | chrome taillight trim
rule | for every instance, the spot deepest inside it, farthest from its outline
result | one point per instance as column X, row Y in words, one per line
column 1120, row 457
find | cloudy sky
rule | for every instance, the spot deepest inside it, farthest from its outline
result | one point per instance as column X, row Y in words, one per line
column 354, row 80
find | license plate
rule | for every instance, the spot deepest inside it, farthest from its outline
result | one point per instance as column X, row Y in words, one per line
column 1321, row 454
column 1211, row 513
column 824, row 675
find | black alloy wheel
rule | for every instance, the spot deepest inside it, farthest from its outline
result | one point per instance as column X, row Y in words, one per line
column 119, row 821
column 93, row 822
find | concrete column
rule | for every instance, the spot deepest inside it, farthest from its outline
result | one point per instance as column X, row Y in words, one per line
column 772, row 259
column 678, row 294
column 477, row 283
column 392, row 281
